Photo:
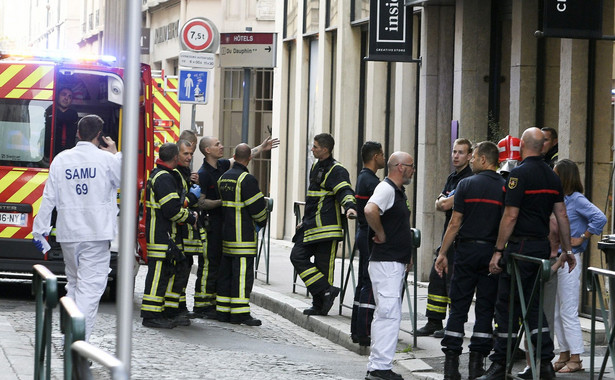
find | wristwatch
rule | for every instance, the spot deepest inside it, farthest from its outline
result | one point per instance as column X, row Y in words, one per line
column 583, row 236
column 569, row 252
column 498, row 250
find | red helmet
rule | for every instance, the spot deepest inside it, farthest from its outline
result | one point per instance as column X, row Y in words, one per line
column 510, row 148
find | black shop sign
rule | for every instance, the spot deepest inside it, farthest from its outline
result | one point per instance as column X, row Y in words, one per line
column 390, row 31
column 572, row 18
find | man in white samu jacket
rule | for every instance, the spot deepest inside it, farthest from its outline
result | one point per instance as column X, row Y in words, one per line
column 82, row 187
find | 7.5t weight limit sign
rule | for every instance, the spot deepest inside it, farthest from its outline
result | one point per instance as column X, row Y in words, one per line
column 199, row 34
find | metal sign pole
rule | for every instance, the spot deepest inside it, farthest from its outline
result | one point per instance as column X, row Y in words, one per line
column 128, row 216
column 245, row 116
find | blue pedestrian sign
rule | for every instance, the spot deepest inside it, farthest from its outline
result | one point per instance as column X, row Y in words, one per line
column 192, row 86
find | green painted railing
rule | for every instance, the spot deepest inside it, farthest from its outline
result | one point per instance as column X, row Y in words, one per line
column 593, row 285
column 45, row 290
column 265, row 244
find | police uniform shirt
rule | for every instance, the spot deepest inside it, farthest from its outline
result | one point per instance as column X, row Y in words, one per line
column 82, row 186
column 533, row 187
column 366, row 183
column 208, row 180
column 450, row 185
column 480, row 198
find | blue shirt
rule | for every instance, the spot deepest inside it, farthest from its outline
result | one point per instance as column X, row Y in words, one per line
column 583, row 216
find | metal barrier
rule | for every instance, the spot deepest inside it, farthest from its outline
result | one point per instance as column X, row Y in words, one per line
column 593, row 285
column 45, row 290
column 265, row 243
column 537, row 288
column 350, row 273
column 297, row 211
column 77, row 352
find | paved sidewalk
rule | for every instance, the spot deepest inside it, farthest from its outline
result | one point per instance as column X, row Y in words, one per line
column 425, row 361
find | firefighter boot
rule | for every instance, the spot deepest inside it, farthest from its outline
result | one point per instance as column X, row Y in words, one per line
column 451, row 365
column 475, row 367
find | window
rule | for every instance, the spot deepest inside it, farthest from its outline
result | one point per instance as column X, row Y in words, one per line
column 22, row 132
column 311, row 14
column 360, row 11
column 290, row 25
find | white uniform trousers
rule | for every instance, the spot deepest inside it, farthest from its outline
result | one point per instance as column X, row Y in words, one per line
column 87, row 269
column 566, row 321
column 387, row 279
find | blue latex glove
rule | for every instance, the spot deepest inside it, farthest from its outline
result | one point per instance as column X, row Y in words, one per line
column 196, row 190
column 38, row 244
column 258, row 228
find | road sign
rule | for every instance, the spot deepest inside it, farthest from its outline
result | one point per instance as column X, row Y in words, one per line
column 199, row 34
column 196, row 60
column 248, row 50
column 192, row 86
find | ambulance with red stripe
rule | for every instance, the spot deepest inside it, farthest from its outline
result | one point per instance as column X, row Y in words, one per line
column 29, row 86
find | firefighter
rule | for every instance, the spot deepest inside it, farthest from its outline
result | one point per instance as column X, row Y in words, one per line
column 211, row 218
column 244, row 209
column 321, row 228
column 190, row 239
column 165, row 212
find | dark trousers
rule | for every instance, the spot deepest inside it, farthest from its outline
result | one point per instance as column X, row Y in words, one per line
column 208, row 266
column 175, row 296
column 158, row 274
column 364, row 303
column 235, row 282
column 437, row 290
column 471, row 273
column 317, row 275
column 528, row 272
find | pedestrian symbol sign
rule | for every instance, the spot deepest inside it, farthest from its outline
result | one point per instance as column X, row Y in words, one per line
column 192, row 86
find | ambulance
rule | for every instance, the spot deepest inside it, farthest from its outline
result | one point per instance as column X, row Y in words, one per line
column 29, row 88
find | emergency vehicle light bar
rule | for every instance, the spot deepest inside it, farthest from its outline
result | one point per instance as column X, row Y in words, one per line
column 163, row 123
column 58, row 56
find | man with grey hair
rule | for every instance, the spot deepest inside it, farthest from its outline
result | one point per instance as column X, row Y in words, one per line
column 388, row 215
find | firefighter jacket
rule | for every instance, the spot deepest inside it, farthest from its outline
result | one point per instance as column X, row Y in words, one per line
column 243, row 208
column 329, row 188
column 192, row 239
column 164, row 211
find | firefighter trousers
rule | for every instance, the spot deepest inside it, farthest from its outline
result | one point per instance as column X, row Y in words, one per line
column 208, row 267
column 527, row 271
column 437, row 290
column 175, row 296
column 364, row 303
column 317, row 275
column 235, row 282
column 159, row 271
column 471, row 273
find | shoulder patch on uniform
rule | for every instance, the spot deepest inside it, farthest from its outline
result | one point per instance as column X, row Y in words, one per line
column 512, row 182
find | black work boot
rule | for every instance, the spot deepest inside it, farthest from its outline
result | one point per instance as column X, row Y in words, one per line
column 546, row 370
column 497, row 371
column 451, row 365
column 476, row 365
column 432, row 326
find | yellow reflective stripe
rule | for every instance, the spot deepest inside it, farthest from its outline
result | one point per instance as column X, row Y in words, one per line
column 308, row 272
column 242, row 280
column 240, row 300
column 232, row 204
column 437, row 309
column 238, row 226
column 168, row 197
column 260, row 216
column 9, row 232
column 315, row 278
column 332, row 261
column 254, row 198
column 239, row 244
column 152, row 298
column 154, row 308
column 220, row 298
column 318, row 193
column 28, row 187
column 240, row 310
column 340, row 185
column 437, row 298
column 35, row 76
column 348, row 199
column 223, row 309
column 16, row 93
column 9, row 73
column 9, row 178
column 324, row 236
column 43, row 94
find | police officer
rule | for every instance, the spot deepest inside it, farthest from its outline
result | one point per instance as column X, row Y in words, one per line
column 473, row 228
column 82, row 187
column 364, row 304
column 533, row 192
column 211, row 217
column 244, row 207
column 164, row 212
column 437, row 290
column 189, row 238
column 321, row 228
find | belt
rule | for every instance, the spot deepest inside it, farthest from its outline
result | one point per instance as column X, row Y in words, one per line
column 475, row 241
column 518, row 239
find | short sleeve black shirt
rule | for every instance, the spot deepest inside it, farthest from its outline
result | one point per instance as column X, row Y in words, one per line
column 208, row 180
column 480, row 198
column 450, row 185
column 533, row 187
column 366, row 183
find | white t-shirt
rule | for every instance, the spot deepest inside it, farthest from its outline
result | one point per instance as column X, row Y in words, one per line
column 383, row 196
column 82, row 186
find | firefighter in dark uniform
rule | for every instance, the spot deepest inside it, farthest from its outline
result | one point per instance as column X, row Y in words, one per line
column 533, row 192
column 437, row 290
column 321, row 228
column 244, row 207
column 364, row 303
column 479, row 203
column 190, row 239
column 164, row 213
column 211, row 218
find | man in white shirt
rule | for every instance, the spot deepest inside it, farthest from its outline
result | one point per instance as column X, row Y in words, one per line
column 82, row 187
